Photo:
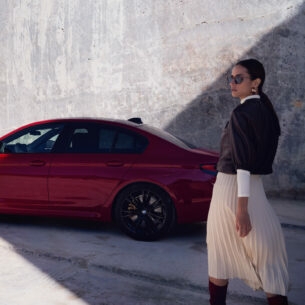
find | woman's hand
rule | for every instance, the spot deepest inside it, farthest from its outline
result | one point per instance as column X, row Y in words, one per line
column 243, row 222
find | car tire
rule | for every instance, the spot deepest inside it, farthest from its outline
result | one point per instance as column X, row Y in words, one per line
column 144, row 212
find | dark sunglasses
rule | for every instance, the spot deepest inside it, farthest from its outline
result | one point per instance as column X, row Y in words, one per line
column 238, row 79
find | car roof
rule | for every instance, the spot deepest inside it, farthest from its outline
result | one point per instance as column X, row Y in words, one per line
column 85, row 119
column 132, row 122
column 64, row 120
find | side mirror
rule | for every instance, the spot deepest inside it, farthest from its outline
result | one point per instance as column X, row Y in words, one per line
column 2, row 145
column 3, row 149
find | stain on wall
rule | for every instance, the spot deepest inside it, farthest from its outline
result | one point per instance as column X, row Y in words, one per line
column 164, row 61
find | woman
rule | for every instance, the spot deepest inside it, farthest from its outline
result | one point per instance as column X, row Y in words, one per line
column 244, row 236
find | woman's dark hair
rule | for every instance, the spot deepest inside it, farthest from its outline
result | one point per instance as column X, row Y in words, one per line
column 256, row 70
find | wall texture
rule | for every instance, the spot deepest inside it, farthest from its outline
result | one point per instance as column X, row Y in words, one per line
column 162, row 60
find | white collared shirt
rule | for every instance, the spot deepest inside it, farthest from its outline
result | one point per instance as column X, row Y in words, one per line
column 249, row 97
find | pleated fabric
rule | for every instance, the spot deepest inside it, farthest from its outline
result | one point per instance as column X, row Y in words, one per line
column 260, row 258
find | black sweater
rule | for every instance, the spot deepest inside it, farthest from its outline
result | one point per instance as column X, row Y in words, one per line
column 249, row 140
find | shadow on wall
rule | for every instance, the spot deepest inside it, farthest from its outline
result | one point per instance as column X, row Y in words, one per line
column 282, row 53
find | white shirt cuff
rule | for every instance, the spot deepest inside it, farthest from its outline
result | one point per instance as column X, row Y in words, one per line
column 243, row 183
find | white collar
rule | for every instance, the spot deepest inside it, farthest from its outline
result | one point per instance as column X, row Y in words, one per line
column 249, row 97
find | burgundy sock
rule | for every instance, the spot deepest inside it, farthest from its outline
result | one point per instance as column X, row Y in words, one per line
column 278, row 300
column 217, row 294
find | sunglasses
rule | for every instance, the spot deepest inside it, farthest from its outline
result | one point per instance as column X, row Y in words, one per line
column 238, row 79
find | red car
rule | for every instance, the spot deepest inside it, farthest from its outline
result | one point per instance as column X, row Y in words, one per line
column 141, row 177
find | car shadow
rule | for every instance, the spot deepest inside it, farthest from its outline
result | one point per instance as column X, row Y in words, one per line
column 192, row 230
column 59, row 223
column 178, row 231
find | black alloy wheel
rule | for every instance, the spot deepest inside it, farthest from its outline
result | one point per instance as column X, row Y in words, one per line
column 144, row 212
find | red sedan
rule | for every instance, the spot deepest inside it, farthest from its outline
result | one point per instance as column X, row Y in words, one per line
column 141, row 177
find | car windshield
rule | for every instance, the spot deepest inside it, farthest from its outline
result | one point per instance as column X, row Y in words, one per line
column 167, row 136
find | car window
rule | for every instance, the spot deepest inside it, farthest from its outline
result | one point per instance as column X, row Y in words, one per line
column 36, row 139
column 117, row 140
column 105, row 139
column 83, row 140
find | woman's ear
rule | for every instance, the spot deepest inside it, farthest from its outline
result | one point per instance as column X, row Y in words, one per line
column 257, row 82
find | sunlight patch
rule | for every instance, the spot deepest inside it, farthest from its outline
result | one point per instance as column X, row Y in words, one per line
column 23, row 283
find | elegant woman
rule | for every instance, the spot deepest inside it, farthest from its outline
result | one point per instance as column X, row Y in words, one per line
column 244, row 236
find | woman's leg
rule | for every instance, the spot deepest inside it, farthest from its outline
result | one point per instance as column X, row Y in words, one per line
column 218, row 291
column 274, row 299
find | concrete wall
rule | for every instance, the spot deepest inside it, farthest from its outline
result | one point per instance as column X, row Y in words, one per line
column 162, row 60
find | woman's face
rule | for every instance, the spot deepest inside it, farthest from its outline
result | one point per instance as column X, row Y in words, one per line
column 245, row 84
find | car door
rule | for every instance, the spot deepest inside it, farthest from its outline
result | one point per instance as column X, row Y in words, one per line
column 24, row 165
column 91, row 165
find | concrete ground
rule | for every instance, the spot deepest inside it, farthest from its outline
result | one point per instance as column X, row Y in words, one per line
column 54, row 262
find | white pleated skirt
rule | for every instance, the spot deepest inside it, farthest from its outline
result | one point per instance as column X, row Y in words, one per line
column 260, row 258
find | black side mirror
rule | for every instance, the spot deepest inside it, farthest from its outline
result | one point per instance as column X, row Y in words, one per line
column 2, row 145
column 3, row 148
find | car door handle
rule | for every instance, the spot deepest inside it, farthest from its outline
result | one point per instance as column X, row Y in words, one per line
column 37, row 163
column 114, row 163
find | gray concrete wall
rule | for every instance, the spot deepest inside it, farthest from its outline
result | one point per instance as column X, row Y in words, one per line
column 162, row 60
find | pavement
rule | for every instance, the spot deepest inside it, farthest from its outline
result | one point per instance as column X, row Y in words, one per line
column 59, row 263
column 292, row 217
column 290, row 212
